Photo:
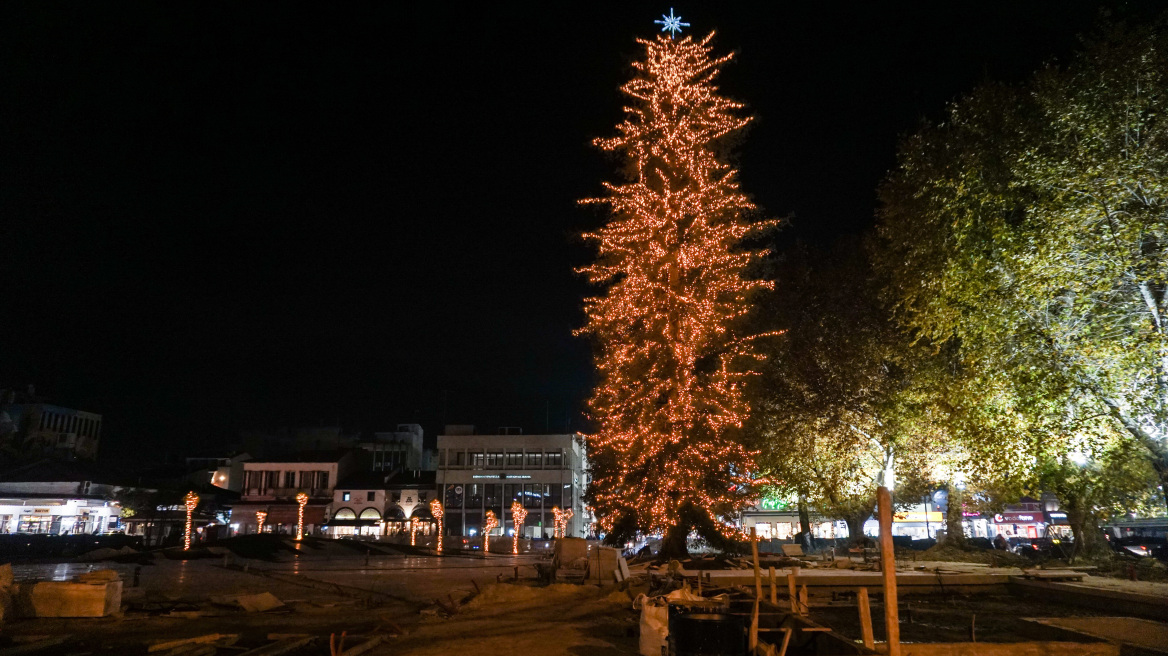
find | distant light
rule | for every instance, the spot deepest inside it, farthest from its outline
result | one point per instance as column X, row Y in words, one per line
column 471, row 532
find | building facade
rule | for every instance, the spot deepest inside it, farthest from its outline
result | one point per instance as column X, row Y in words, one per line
column 477, row 473
column 271, row 487
column 41, row 430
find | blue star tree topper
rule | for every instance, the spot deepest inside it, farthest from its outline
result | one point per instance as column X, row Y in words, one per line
column 671, row 23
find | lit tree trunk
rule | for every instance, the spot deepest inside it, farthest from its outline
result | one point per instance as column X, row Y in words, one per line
column 805, row 525
column 954, row 519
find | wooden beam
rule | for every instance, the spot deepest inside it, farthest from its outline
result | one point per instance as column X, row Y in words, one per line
column 865, row 617
column 757, row 575
column 774, row 586
column 888, row 570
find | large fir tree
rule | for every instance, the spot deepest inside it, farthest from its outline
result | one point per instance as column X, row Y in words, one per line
column 669, row 347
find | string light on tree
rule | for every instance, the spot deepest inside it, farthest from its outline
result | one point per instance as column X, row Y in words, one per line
column 192, row 501
column 672, row 353
column 518, row 514
column 437, row 512
column 301, row 500
column 567, row 515
column 488, row 525
column 415, row 524
column 260, row 517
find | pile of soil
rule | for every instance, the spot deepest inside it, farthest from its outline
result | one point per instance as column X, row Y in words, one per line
column 950, row 553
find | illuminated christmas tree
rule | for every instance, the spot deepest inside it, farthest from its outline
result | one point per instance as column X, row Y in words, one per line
column 669, row 346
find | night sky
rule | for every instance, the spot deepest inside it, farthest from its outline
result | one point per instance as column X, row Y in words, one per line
column 225, row 216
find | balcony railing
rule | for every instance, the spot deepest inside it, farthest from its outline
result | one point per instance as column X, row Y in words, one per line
column 287, row 492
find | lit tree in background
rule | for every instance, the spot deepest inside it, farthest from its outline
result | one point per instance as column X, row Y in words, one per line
column 518, row 514
column 191, row 500
column 489, row 525
column 671, row 353
column 437, row 511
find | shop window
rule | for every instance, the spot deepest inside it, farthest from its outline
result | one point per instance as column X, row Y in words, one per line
column 474, row 495
column 454, row 495
column 553, row 460
column 532, row 495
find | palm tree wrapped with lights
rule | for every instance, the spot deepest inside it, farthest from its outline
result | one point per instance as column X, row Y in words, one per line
column 489, row 525
column 301, row 501
column 192, row 501
column 518, row 514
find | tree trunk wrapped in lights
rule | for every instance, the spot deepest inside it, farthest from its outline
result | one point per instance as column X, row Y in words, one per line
column 415, row 524
column 518, row 514
column 192, row 501
column 437, row 511
column 488, row 525
column 301, row 500
column 260, row 517
column 670, row 349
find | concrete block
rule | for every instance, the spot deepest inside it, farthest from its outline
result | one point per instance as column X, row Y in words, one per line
column 570, row 549
column 68, row 599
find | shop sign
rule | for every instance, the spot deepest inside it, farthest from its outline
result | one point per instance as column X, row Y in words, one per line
column 41, row 510
column 918, row 516
column 771, row 503
column 1016, row 517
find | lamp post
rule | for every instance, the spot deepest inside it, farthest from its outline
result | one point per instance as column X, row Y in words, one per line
column 518, row 514
column 489, row 524
column 437, row 512
column 192, row 500
column 260, row 517
column 302, row 500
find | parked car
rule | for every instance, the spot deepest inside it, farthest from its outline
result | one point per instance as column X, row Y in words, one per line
column 1022, row 546
column 1141, row 546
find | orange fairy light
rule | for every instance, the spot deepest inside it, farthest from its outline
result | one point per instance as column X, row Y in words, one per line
column 488, row 525
column 437, row 512
column 671, row 351
column 192, row 501
column 260, row 517
column 302, row 500
column 415, row 524
column 518, row 514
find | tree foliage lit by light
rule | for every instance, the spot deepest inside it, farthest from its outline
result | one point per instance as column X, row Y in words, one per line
column 669, row 347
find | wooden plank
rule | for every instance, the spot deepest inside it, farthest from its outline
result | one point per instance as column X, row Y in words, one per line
column 757, row 577
column 791, row 599
column 1005, row 649
column 865, row 617
column 888, row 570
column 774, row 588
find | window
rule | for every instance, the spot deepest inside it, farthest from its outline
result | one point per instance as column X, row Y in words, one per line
column 568, row 497
column 454, row 496
column 459, row 458
column 476, row 459
column 271, row 479
column 370, row 495
column 322, row 480
column 441, row 458
column 492, row 493
column 344, row 496
column 532, row 494
column 553, row 460
column 534, row 460
column 495, row 459
column 557, row 497
column 474, row 495
column 514, row 459
column 306, row 479
column 290, row 479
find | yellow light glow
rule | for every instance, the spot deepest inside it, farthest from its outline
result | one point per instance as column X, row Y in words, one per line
column 488, row 524
column 192, row 501
column 260, row 517
column 437, row 511
column 518, row 514
column 415, row 524
column 301, row 500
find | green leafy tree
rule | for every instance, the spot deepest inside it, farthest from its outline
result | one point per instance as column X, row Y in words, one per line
column 1028, row 231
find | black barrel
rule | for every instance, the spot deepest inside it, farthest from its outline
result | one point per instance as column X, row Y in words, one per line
column 707, row 634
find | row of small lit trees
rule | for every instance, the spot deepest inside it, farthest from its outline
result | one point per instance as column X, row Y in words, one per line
column 518, row 514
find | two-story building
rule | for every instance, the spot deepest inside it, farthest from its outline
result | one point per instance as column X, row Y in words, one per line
column 477, row 473
column 379, row 503
column 272, row 486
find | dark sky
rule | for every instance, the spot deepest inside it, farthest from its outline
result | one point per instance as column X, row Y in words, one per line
column 219, row 216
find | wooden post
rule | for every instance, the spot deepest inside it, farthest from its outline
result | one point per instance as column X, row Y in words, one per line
column 804, row 607
column 774, row 588
column 888, row 570
column 791, row 599
column 753, row 636
column 757, row 574
column 865, row 618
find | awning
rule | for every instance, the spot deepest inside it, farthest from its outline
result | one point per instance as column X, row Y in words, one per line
column 351, row 522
